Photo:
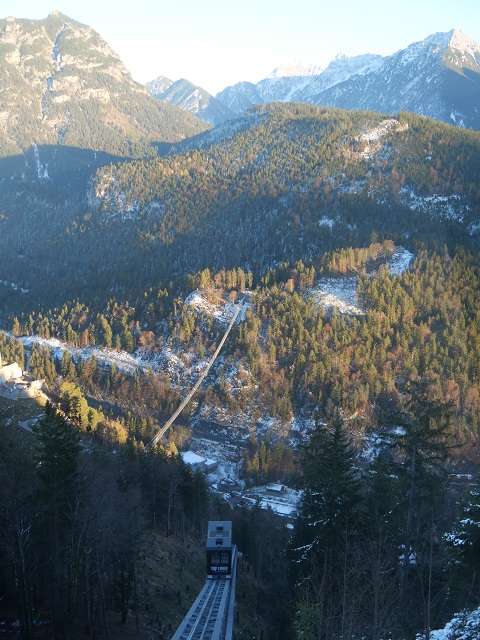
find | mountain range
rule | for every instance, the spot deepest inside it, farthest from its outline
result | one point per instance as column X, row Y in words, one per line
column 191, row 98
column 68, row 105
column 438, row 77
column 71, row 115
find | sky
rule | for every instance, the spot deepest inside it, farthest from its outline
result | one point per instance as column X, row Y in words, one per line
column 216, row 43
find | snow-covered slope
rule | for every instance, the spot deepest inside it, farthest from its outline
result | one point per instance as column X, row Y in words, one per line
column 158, row 86
column 438, row 77
column 240, row 97
column 286, row 81
column 463, row 626
column 282, row 84
column 341, row 69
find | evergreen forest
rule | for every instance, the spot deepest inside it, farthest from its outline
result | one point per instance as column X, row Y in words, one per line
column 258, row 212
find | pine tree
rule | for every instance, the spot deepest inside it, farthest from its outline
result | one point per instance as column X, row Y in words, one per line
column 58, row 450
column 464, row 542
column 325, row 546
column 420, row 449
column 330, row 486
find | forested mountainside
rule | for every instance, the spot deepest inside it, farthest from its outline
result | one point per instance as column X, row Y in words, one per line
column 371, row 413
column 69, row 105
column 288, row 185
column 396, row 383
column 287, row 182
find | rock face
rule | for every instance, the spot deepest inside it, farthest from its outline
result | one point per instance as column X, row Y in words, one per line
column 9, row 373
column 438, row 77
column 191, row 98
column 62, row 86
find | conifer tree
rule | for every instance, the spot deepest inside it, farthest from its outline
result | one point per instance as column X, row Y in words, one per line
column 464, row 542
column 420, row 450
column 59, row 498
column 324, row 547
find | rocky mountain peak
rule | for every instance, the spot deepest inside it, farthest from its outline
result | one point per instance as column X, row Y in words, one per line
column 437, row 77
column 456, row 48
column 454, row 39
column 295, row 68
column 62, row 85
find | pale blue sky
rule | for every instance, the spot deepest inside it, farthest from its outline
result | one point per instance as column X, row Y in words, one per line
column 215, row 43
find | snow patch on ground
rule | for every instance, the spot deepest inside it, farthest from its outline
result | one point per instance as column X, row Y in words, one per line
column 225, row 459
column 376, row 133
column 338, row 293
column 341, row 292
column 212, row 305
column 126, row 362
column 463, row 626
column 280, row 498
column 446, row 207
column 400, row 261
column 179, row 367
column 326, row 222
column 14, row 286
column 373, row 136
column 373, row 444
column 221, row 463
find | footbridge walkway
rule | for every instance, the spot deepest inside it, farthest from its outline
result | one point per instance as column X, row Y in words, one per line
column 158, row 436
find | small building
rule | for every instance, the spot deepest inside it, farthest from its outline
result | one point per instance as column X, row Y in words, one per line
column 193, row 459
column 199, row 462
column 210, row 465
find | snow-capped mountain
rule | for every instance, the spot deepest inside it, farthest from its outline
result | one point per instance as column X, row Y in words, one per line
column 198, row 101
column 159, row 86
column 295, row 68
column 286, row 80
column 341, row 69
column 438, row 77
column 282, row 84
column 241, row 98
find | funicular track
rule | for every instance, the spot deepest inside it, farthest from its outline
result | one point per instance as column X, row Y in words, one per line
column 211, row 615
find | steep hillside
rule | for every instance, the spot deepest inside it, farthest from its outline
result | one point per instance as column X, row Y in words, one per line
column 279, row 158
column 68, row 105
column 286, row 182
